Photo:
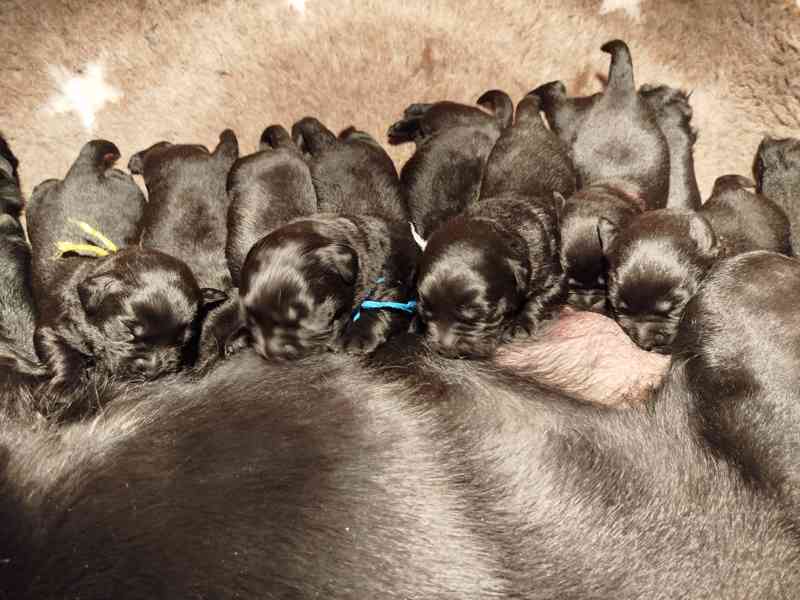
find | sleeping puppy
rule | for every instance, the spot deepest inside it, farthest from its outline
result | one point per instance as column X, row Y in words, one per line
column 266, row 190
column 581, row 253
column 528, row 158
column 490, row 274
column 454, row 141
column 303, row 285
column 674, row 115
column 743, row 221
column 131, row 313
column 655, row 265
column 614, row 135
column 11, row 202
column 777, row 171
column 187, row 208
column 352, row 174
column 741, row 342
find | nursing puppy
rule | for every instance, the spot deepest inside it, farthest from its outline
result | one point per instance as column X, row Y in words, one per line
column 777, row 171
column 655, row 265
column 528, row 158
column 266, row 190
column 454, row 141
column 614, row 135
column 743, row 221
column 674, row 116
column 187, row 209
column 302, row 285
column 352, row 174
column 490, row 274
column 746, row 378
column 130, row 314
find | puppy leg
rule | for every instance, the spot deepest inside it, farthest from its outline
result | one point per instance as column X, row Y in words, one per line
column 371, row 330
column 64, row 362
column 407, row 129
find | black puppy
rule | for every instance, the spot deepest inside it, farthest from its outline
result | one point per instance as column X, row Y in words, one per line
column 352, row 174
column 777, row 172
column 613, row 135
column 187, row 209
column 11, row 202
column 454, row 141
column 131, row 313
column 674, row 117
column 303, row 285
column 743, row 221
column 490, row 274
column 741, row 344
column 655, row 265
column 528, row 158
column 267, row 190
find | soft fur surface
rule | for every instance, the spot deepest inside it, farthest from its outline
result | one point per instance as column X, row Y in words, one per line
column 186, row 71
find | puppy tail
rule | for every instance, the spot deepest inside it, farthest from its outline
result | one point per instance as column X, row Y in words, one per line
column 500, row 105
column 732, row 182
column 620, row 72
column 96, row 156
column 529, row 107
column 275, row 136
column 311, row 136
column 228, row 146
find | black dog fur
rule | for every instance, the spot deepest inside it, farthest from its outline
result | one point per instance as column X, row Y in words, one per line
column 743, row 221
column 655, row 265
column 490, row 274
column 777, row 171
column 11, row 202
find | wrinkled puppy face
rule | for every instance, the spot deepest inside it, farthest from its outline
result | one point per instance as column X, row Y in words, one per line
column 142, row 307
column 469, row 289
column 654, row 268
column 297, row 291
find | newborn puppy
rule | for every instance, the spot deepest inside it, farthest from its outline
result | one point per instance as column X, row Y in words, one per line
column 655, row 265
column 777, row 172
column 615, row 135
column 743, row 221
column 581, row 253
column 528, row 158
column 303, row 285
column 266, row 190
column 11, row 202
column 740, row 338
column 454, row 141
column 674, row 115
column 352, row 174
column 489, row 274
column 187, row 209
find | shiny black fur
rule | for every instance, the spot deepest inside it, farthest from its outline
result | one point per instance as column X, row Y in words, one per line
column 187, row 209
column 655, row 265
column 454, row 141
column 11, row 202
column 301, row 284
column 777, row 171
column 743, row 221
column 528, row 158
column 613, row 136
column 490, row 274
column 674, row 117
column 352, row 174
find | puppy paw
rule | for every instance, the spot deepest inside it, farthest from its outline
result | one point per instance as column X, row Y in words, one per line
column 360, row 340
column 404, row 130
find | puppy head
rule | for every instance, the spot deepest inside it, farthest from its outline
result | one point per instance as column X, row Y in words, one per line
column 741, row 331
column 582, row 258
column 655, row 265
column 142, row 307
column 777, row 167
column 471, row 284
column 297, row 290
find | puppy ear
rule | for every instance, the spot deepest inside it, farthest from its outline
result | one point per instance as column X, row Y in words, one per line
column 212, row 297
column 228, row 146
column 703, row 236
column 341, row 258
column 607, row 232
column 521, row 274
column 93, row 290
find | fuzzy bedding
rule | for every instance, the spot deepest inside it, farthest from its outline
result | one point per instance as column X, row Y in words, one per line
column 140, row 71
